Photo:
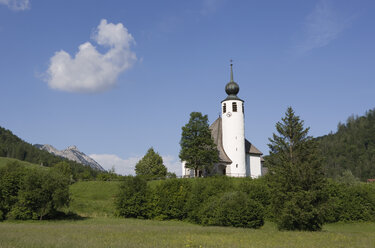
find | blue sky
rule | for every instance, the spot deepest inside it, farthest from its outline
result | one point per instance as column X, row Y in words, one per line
column 117, row 77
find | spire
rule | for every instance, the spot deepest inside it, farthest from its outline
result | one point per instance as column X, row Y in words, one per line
column 231, row 71
column 232, row 87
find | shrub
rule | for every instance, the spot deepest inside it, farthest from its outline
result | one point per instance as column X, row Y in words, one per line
column 300, row 212
column 233, row 209
column 41, row 193
column 351, row 202
column 10, row 181
column 204, row 189
column 258, row 190
column 169, row 199
column 131, row 199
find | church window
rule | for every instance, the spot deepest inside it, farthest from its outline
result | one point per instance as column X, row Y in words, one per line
column 243, row 108
column 224, row 108
column 236, row 165
column 234, row 106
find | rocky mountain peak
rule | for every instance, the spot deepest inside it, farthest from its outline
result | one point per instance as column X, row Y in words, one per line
column 72, row 153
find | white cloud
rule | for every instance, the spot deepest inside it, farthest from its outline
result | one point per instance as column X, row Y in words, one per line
column 122, row 166
column 127, row 166
column 172, row 164
column 322, row 26
column 16, row 4
column 91, row 71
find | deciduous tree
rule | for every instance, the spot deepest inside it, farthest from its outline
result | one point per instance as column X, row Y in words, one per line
column 198, row 149
column 151, row 165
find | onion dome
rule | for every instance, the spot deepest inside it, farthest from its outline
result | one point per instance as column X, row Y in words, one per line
column 232, row 87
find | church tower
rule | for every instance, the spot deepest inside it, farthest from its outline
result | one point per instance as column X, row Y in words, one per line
column 233, row 129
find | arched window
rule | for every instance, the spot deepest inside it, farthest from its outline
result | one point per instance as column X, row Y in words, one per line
column 234, row 106
column 224, row 108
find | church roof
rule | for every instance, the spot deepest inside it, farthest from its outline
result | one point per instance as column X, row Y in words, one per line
column 216, row 133
column 250, row 148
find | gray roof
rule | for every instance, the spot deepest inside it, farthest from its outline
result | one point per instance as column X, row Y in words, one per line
column 250, row 148
column 216, row 133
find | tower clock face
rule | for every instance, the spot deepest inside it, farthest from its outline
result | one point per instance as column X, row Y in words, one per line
column 229, row 114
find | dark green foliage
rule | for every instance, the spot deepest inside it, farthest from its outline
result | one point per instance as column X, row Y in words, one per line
column 131, row 201
column 204, row 189
column 10, row 182
column 352, row 147
column 198, row 149
column 233, row 209
column 169, row 199
column 350, row 202
column 32, row 193
column 151, row 165
column 296, row 177
column 13, row 147
column 209, row 201
column 258, row 190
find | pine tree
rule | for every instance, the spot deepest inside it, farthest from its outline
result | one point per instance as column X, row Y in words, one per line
column 198, row 149
column 151, row 165
column 296, row 176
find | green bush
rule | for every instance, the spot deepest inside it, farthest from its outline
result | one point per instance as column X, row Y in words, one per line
column 204, row 189
column 300, row 212
column 31, row 193
column 233, row 209
column 41, row 193
column 169, row 199
column 258, row 190
column 10, row 181
column 132, row 199
column 350, row 202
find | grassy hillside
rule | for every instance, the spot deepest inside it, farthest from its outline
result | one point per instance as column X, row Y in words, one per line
column 5, row 161
column 93, row 198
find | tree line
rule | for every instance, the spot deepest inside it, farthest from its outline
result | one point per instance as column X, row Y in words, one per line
column 351, row 147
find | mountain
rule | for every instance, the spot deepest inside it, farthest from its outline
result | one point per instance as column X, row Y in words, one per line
column 72, row 153
column 352, row 147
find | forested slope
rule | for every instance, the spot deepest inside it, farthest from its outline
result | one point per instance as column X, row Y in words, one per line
column 12, row 146
column 352, row 147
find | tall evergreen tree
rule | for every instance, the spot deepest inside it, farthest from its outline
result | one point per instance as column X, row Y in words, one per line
column 198, row 149
column 151, row 165
column 296, row 176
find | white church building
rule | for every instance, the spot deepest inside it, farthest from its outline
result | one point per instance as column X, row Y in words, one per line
column 237, row 156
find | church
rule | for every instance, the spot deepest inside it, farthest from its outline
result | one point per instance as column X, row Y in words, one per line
column 238, row 157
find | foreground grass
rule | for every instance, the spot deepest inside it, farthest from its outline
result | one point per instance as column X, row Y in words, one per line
column 100, row 229
column 116, row 232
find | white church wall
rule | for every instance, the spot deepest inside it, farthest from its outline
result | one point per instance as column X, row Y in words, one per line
column 255, row 166
column 233, row 129
column 186, row 172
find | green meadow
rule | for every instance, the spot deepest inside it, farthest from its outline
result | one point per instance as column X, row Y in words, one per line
column 99, row 227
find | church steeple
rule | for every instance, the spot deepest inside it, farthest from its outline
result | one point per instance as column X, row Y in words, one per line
column 232, row 87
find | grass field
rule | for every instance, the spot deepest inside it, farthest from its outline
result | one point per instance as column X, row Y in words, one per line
column 93, row 199
column 115, row 232
column 100, row 228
